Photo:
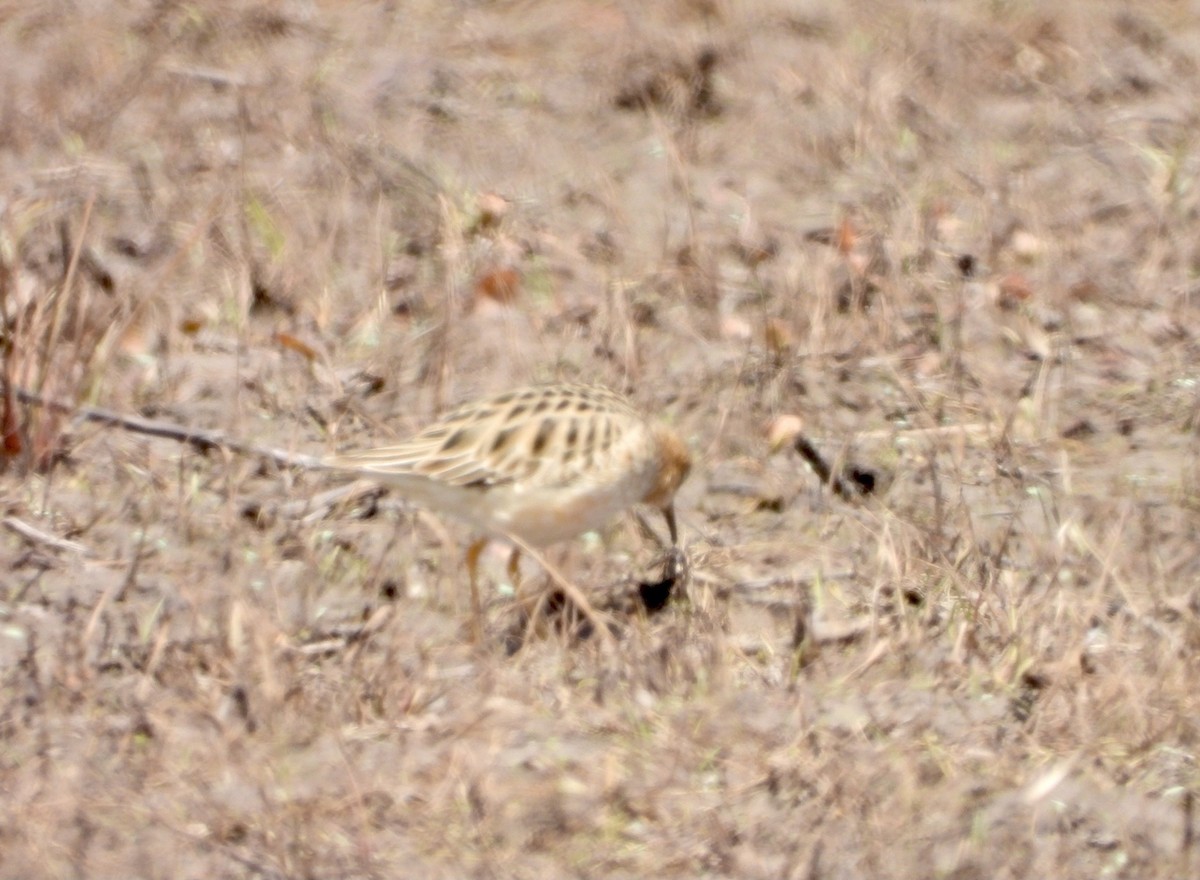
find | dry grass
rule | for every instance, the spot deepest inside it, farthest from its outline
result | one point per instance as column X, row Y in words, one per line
column 960, row 241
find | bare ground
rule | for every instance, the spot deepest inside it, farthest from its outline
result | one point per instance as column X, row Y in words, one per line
column 959, row 241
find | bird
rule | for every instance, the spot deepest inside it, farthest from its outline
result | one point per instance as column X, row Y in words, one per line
column 539, row 464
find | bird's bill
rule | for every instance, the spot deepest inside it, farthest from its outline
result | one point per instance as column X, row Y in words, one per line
column 669, row 515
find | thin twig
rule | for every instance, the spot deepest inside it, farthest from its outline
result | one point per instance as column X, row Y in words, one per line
column 849, row 485
column 319, row 506
column 598, row 620
column 60, row 305
column 37, row 536
column 971, row 429
column 198, row 438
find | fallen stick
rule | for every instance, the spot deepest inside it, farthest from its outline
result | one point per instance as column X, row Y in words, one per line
column 198, row 438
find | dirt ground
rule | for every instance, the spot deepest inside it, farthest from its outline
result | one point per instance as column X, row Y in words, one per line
column 955, row 244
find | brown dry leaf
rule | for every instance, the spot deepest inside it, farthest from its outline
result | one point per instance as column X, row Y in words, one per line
column 499, row 285
column 778, row 336
column 1085, row 290
column 291, row 343
column 191, row 326
column 1013, row 291
column 847, row 236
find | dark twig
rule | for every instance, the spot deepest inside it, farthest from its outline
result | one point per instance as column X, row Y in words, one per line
column 199, row 439
column 851, row 484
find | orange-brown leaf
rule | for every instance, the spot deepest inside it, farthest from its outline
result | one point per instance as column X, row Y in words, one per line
column 291, row 343
column 499, row 285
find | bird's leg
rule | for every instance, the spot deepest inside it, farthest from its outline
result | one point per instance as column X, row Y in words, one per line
column 669, row 516
column 677, row 561
column 514, row 569
column 531, row 612
column 473, row 552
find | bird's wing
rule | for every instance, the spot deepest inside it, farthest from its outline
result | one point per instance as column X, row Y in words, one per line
column 544, row 435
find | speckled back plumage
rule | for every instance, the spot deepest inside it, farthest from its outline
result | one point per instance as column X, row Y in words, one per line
column 548, row 435
column 541, row 462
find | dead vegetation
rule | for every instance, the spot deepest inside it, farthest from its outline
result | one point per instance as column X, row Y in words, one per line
column 952, row 247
